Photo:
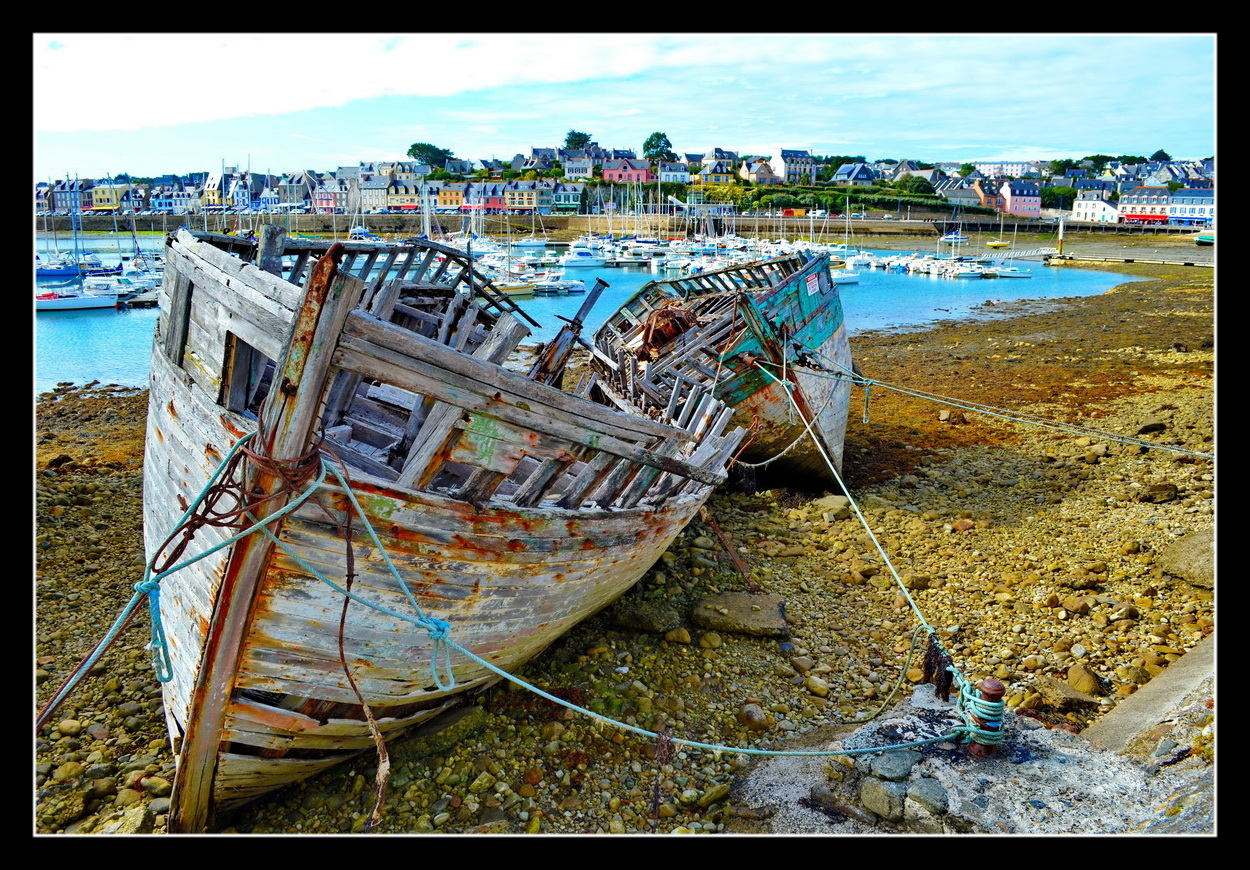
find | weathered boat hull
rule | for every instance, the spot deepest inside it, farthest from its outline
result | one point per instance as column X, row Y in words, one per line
column 771, row 339
column 508, row 518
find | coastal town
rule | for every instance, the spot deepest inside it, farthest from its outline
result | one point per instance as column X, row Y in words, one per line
column 644, row 433
column 588, row 179
column 763, row 621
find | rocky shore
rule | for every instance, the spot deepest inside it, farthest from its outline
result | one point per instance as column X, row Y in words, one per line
column 1050, row 557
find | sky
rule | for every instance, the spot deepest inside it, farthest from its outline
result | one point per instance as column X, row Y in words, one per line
column 283, row 102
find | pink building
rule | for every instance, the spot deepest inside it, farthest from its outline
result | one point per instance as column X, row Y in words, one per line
column 1021, row 198
column 627, row 170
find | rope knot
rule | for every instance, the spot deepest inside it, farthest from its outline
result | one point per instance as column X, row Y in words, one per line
column 438, row 629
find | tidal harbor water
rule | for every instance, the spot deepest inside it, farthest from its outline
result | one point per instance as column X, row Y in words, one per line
column 113, row 346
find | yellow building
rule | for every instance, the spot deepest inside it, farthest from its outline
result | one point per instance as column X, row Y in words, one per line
column 451, row 196
column 108, row 197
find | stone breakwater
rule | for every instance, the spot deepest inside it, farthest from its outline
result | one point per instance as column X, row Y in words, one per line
column 1040, row 555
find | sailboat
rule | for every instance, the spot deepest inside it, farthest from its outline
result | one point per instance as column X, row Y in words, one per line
column 843, row 274
column 999, row 242
column 72, row 295
column 534, row 239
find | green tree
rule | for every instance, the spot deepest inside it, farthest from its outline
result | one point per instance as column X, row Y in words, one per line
column 575, row 141
column 431, row 155
column 1059, row 167
column 1099, row 162
column 657, row 147
column 966, row 170
column 1131, row 159
column 913, row 184
column 1160, row 156
column 1058, row 197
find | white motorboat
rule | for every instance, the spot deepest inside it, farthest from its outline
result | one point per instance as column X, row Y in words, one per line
column 555, row 283
column 582, row 257
column 1010, row 272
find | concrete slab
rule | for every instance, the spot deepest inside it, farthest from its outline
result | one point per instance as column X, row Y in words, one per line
column 1157, row 701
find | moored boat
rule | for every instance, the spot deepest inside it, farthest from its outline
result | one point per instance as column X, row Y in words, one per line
column 359, row 516
column 582, row 258
column 1010, row 272
column 74, row 299
column 767, row 337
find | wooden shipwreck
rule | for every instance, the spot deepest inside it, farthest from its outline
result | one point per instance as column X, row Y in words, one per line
column 417, row 509
column 767, row 337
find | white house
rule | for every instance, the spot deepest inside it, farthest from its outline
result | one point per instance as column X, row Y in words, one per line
column 794, row 166
column 677, row 173
column 1095, row 206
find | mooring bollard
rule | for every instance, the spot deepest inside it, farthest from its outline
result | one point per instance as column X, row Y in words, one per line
column 991, row 691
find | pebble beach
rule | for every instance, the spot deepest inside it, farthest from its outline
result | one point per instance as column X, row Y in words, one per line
column 1042, row 551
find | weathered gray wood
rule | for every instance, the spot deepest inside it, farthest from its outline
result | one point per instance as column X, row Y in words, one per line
column 289, row 413
column 591, row 476
column 455, row 372
column 536, row 486
column 176, row 323
column 438, row 431
column 269, row 249
column 602, row 431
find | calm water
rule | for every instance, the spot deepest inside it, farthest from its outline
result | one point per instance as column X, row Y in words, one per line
column 113, row 346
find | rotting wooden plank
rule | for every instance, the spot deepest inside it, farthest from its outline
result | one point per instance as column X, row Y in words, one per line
column 438, row 429
column 387, row 265
column 599, row 431
column 642, row 481
column 589, row 478
column 177, row 318
column 364, row 462
column 535, row 487
column 455, row 372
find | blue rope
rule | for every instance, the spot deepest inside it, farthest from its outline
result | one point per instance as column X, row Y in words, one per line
column 158, row 646
column 990, row 712
column 989, row 410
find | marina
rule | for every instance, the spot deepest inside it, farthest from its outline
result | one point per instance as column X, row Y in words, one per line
column 112, row 346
